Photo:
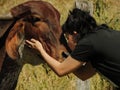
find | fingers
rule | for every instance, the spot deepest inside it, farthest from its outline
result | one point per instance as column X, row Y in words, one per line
column 28, row 42
column 33, row 40
column 35, row 44
column 31, row 43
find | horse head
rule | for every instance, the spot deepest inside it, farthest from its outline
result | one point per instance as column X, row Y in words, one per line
column 34, row 19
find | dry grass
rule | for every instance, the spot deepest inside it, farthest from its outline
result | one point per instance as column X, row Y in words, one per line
column 36, row 75
column 108, row 12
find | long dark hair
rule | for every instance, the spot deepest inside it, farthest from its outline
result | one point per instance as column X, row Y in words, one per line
column 80, row 21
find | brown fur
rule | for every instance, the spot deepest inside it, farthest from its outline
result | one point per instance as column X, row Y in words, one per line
column 46, row 29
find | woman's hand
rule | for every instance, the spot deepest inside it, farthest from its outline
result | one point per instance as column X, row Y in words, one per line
column 34, row 44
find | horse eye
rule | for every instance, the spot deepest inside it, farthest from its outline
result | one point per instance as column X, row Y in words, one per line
column 35, row 19
column 32, row 19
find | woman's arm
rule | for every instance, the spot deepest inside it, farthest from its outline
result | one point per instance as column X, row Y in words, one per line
column 67, row 66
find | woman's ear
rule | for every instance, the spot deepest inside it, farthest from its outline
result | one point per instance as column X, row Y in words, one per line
column 75, row 32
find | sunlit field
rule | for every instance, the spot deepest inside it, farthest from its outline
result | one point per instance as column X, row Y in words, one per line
column 35, row 74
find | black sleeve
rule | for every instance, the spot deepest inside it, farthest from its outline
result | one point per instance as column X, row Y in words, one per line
column 83, row 50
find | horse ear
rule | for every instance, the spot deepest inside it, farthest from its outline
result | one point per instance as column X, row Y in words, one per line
column 20, row 11
column 14, row 41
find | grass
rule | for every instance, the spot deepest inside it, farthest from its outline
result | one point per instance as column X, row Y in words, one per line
column 36, row 75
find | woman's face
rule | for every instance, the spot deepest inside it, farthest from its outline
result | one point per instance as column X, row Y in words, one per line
column 70, row 38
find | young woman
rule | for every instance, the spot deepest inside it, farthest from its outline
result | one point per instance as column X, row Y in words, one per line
column 94, row 48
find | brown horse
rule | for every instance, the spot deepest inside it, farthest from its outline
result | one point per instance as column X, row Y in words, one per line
column 36, row 19
column 33, row 19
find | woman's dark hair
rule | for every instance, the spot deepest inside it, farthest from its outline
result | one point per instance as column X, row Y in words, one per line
column 80, row 21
